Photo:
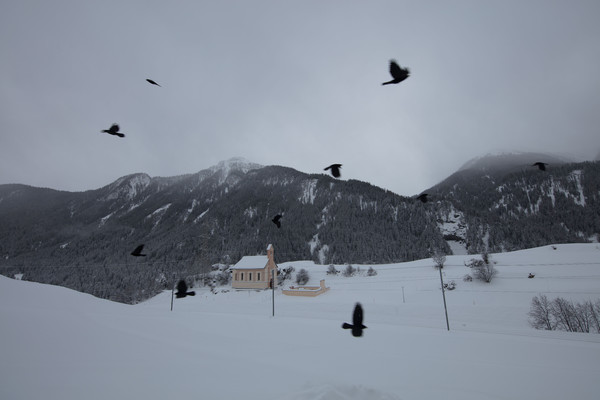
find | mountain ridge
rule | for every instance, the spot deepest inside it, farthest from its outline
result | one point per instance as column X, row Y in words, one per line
column 222, row 213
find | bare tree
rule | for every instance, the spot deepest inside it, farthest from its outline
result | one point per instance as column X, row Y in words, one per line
column 331, row 270
column 595, row 311
column 584, row 317
column 439, row 259
column 541, row 313
column 302, row 277
column 349, row 271
column 564, row 312
column 486, row 272
column 483, row 269
column 564, row 315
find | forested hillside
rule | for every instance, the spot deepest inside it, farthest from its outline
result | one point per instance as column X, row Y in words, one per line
column 187, row 223
column 83, row 240
column 524, row 207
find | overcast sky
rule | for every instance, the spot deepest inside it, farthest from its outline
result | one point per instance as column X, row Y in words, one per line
column 294, row 83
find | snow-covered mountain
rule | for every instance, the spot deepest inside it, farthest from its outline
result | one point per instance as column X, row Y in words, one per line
column 191, row 221
column 58, row 344
column 503, row 203
column 221, row 213
column 235, row 164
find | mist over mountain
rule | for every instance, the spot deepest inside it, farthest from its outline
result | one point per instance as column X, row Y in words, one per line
column 83, row 240
column 503, row 163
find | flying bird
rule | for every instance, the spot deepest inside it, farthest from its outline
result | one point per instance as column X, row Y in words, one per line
column 182, row 290
column 540, row 165
column 423, row 197
column 335, row 169
column 276, row 220
column 357, row 319
column 138, row 251
column 114, row 130
column 152, row 82
column 398, row 73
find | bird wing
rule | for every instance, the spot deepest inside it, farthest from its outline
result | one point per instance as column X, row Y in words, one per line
column 138, row 249
column 395, row 69
column 398, row 72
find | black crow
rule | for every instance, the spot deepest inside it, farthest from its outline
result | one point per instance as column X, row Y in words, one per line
column 357, row 319
column 540, row 165
column 335, row 169
column 398, row 73
column 276, row 220
column 182, row 290
column 138, row 251
column 114, row 130
column 152, row 82
column 423, row 197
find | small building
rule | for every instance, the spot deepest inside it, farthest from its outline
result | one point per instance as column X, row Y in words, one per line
column 306, row 291
column 254, row 272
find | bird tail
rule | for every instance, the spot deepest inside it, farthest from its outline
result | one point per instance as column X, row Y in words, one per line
column 347, row 326
column 387, row 83
column 120, row 134
column 191, row 293
column 357, row 332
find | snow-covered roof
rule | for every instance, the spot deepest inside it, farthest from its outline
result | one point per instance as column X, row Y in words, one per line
column 252, row 262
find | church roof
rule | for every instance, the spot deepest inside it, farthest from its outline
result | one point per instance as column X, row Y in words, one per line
column 252, row 262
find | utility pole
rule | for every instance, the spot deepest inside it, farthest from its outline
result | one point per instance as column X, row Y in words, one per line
column 273, row 289
column 172, row 291
column 444, row 296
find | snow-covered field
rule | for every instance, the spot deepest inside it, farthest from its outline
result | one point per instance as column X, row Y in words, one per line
column 59, row 344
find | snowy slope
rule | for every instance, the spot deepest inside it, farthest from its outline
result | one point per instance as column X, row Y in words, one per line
column 59, row 344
